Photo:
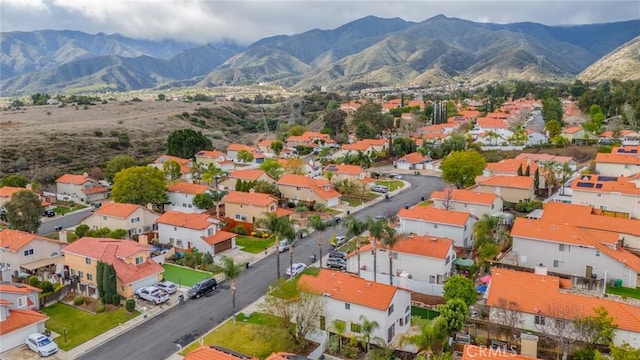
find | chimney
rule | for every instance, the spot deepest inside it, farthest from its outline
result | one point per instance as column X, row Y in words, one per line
column 143, row 239
column 62, row 236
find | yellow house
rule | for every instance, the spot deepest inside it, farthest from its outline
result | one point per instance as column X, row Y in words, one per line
column 245, row 175
column 134, row 218
column 248, row 207
column 131, row 261
column 511, row 188
column 301, row 188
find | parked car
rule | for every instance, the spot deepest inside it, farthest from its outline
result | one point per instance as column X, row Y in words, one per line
column 202, row 287
column 152, row 294
column 283, row 245
column 49, row 213
column 167, row 286
column 41, row 344
column 297, row 269
column 339, row 241
column 380, row 218
column 337, row 254
column 395, row 176
column 380, row 189
column 336, row 263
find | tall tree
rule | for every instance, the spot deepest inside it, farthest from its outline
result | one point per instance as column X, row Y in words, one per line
column 461, row 167
column 277, row 147
column 335, row 119
column 368, row 327
column 553, row 127
column 24, row 211
column 455, row 312
column 272, row 167
column 378, row 229
column 459, row 287
column 552, row 109
column 355, row 228
column 388, row 241
column 281, row 227
column 244, row 156
column 565, row 174
column 185, row 143
column 231, row 271
column 140, row 185
column 172, row 169
column 15, row 180
column 217, row 196
column 598, row 328
column 431, row 337
column 318, row 224
column 211, row 174
column 203, row 201
column 117, row 163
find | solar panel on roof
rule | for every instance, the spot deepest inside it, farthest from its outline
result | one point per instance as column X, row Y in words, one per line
column 607, row 178
column 598, row 186
column 633, row 151
column 584, row 184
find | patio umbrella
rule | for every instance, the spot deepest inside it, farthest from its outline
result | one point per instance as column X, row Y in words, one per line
column 485, row 279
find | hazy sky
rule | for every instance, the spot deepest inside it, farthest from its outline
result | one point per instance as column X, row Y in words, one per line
column 247, row 21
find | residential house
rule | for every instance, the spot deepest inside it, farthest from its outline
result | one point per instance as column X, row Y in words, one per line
column 622, row 161
column 131, row 260
column 248, row 207
column 301, row 188
column 215, row 157
column 420, row 263
column 413, row 161
column 540, row 297
column 349, row 297
column 181, row 196
column 18, row 315
column 234, row 149
column 264, row 146
column 190, row 231
column 511, row 188
column 474, row 202
column 586, row 217
column 630, row 137
column 543, row 158
column 536, row 138
column 229, row 183
column 497, row 128
column 378, row 145
column 569, row 250
column 25, row 252
column 309, row 138
column 352, row 106
column 578, row 135
column 134, row 218
column 510, row 167
column 80, row 188
column 369, row 147
column 346, row 172
column 186, row 165
column 6, row 192
column 431, row 221
column 615, row 195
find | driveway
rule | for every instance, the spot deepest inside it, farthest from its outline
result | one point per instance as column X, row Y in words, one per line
column 66, row 221
column 161, row 336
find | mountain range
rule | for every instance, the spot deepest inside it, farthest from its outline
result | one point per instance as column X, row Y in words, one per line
column 371, row 50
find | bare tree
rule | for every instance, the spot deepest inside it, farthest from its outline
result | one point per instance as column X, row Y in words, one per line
column 558, row 323
column 509, row 315
column 447, row 201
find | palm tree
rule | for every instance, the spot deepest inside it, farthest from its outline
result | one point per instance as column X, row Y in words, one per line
column 319, row 225
column 432, row 333
column 367, row 328
column 550, row 179
column 216, row 197
column 377, row 230
column 340, row 327
column 388, row 240
column 280, row 227
column 231, row 270
column 565, row 174
column 355, row 228
column 211, row 174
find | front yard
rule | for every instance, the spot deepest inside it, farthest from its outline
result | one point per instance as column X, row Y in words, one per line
column 393, row 185
column 254, row 245
column 64, row 207
column 82, row 326
column 183, row 276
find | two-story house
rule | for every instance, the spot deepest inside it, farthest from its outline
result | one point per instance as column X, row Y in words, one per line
column 249, row 207
column 246, row 175
column 301, row 188
column 190, row 230
column 134, row 218
column 346, row 172
column 572, row 251
column 623, row 161
column 431, row 221
column 6, row 192
column 420, row 263
column 186, row 165
column 543, row 158
column 180, row 196
column 349, row 298
column 18, row 315
column 540, row 298
column 215, row 157
column 536, row 138
column 131, row 260
column 234, row 149
column 615, row 195
column 22, row 251
column 474, row 202
column 80, row 188
column 514, row 189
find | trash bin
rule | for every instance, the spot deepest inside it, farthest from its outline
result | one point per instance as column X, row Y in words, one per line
column 181, row 298
column 619, row 283
column 246, row 265
column 348, row 212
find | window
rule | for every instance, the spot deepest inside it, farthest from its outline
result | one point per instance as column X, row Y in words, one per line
column 356, row 328
column 390, row 310
column 435, row 226
column 603, row 207
column 394, row 256
column 104, row 218
column 87, row 261
column 272, row 208
column 539, row 320
column 80, row 274
column 564, row 248
column 139, row 260
column 558, row 264
column 597, row 252
column 407, row 309
column 323, row 322
column 401, row 321
column 599, row 195
column 22, row 301
column 210, row 231
column 179, row 243
column 432, row 279
column 347, row 306
column 73, row 272
column 175, row 228
column 28, row 252
column 447, row 260
column 171, row 241
column 135, row 220
column 90, row 277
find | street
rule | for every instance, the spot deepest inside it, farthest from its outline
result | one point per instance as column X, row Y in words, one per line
column 164, row 334
column 66, row 221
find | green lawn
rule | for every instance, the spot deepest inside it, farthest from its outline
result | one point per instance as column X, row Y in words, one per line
column 391, row 184
column 350, row 246
column 183, row 276
column 82, row 326
column 353, row 202
column 254, row 245
column 333, row 211
column 623, row 291
column 67, row 207
column 423, row 313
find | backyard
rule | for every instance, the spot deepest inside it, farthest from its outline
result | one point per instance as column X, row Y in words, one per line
column 183, row 276
column 82, row 326
column 624, row 292
column 254, row 245
column 393, row 185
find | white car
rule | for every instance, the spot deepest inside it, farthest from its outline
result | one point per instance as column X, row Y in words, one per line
column 297, row 269
column 167, row 286
column 283, row 245
column 41, row 344
column 152, row 294
column 395, row 176
column 340, row 240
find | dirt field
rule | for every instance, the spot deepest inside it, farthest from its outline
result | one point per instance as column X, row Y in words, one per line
column 55, row 139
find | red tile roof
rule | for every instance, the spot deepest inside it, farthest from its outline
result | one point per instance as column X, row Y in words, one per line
column 18, row 288
column 582, row 216
column 73, row 179
column 357, row 146
column 187, row 220
column 255, row 199
column 511, row 166
column 344, row 169
column 187, row 188
column 215, row 353
column 280, row 212
column 8, row 191
column 213, row 154
column 617, row 159
column 623, row 185
column 185, row 164
column 19, row 319
column 238, row 147
column 560, row 233
column 95, row 247
column 488, row 123
column 15, row 240
column 414, row 158
column 519, row 182
column 430, row 246
column 246, row 174
column 119, row 210
column 218, row 237
column 545, row 157
column 466, row 196
column 349, row 288
column 130, row 273
column 321, row 187
column 434, row 215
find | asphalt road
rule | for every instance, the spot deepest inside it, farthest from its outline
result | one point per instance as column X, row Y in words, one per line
column 49, row 224
column 160, row 336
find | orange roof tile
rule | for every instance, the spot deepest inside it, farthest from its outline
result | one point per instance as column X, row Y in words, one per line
column 187, row 220
column 321, row 187
column 375, row 142
column 118, row 210
column 414, row 158
column 520, row 182
column 466, row 196
column 280, row 212
column 544, row 231
column 357, row 146
column 19, row 319
column 617, row 159
column 542, row 157
column 187, row 188
column 72, row 179
column 473, row 352
column 185, row 164
column 511, row 166
column 488, row 123
column 265, row 143
column 430, row 246
column 218, row 237
column 571, row 130
column 434, row 215
column 15, row 240
column 216, row 353
column 255, row 199
column 344, row 169
column 130, row 273
column 8, row 191
column 95, row 189
column 540, row 294
column 5, row 302
column 581, row 216
column 95, row 247
column 349, row 288
column 595, row 183
column 246, row 174
column 282, row 356
column 18, row 288
column 238, row 147
column 212, row 154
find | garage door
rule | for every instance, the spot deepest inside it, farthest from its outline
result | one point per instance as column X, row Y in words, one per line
column 151, row 280
column 222, row 246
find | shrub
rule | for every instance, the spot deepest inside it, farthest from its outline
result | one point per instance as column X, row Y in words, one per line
column 239, row 229
column 101, row 308
column 130, row 305
column 351, row 350
column 58, row 288
column 333, row 345
column 265, row 235
column 34, row 281
column 115, row 300
column 78, row 301
column 87, row 300
column 528, row 206
column 46, row 286
column 255, row 234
